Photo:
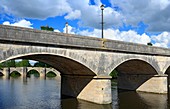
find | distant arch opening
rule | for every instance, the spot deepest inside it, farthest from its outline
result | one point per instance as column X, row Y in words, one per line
column 51, row 74
column 1, row 74
column 15, row 74
column 132, row 74
column 35, row 73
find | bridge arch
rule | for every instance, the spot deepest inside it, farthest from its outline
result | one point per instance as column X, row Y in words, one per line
column 33, row 71
column 151, row 63
column 13, row 69
column 57, row 73
column 51, row 73
column 75, row 70
column 60, row 59
column 134, row 73
column 166, row 68
column 15, row 73
column 136, row 66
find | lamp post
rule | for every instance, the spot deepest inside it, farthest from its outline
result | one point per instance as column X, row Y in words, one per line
column 66, row 27
column 102, row 8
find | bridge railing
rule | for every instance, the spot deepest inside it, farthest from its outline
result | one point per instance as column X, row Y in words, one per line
column 21, row 35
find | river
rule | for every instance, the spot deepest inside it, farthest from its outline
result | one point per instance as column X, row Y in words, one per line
column 38, row 93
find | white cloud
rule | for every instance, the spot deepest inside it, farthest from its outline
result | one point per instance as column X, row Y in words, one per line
column 91, row 14
column 21, row 23
column 6, row 23
column 131, row 12
column 35, row 9
column 73, row 15
column 57, row 30
column 154, row 13
column 162, row 40
column 127, row 36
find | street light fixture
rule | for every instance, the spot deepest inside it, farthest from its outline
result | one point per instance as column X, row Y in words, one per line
column 102, row 8
column 66, row 27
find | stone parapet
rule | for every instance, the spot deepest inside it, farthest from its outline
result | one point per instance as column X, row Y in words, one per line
column 47, row 38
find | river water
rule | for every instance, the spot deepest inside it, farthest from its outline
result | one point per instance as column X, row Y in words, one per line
column 38, row 93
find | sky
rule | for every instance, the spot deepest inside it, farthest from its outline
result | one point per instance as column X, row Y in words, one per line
column 138, row 21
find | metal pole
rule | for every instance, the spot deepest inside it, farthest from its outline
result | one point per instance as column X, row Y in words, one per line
column 102, row 23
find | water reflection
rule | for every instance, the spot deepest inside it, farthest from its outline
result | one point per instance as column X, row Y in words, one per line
column 38, row 93
column 139, row 100
column 72, row 103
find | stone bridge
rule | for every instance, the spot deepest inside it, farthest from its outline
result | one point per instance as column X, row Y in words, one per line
column 86, row 62
column 41, row 70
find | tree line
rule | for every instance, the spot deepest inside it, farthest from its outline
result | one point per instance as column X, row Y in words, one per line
column 22, row 63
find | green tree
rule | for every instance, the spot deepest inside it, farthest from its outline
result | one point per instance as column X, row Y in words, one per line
column 23, row 63
column 41, row 64
column 1, row 65
column 9, row 63
column 149, row 43
column 47, row 28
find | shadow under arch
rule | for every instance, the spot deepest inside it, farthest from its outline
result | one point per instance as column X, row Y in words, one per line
column 33, row 72
column 74, row 75
column 168, row 73
column 133, row 73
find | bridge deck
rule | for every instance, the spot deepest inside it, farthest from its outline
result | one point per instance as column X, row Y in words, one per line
column 19, row 35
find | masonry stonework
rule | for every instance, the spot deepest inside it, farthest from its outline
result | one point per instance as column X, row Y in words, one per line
column 80, row 59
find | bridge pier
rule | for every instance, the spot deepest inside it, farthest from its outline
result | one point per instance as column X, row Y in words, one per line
column 45, row 72
column 7, row 73
column 88, row 88
column 143, row 83
column 24, row 74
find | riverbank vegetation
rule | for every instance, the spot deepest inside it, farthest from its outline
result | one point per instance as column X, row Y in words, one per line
column 22, row 63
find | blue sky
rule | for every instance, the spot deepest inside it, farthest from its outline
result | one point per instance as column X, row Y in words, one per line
column 125, row 20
